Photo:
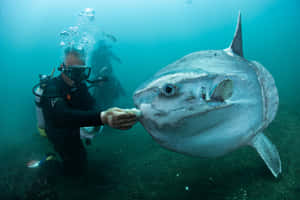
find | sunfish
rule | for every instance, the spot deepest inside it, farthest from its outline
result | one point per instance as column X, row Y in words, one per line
column 209, row 103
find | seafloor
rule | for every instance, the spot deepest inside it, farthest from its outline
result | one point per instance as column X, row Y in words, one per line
column 130, row 165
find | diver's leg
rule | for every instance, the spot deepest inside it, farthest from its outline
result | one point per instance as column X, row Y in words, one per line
column 74, row 156
column 72, row 153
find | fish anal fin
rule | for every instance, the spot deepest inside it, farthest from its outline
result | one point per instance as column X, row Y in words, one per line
column 267, row 152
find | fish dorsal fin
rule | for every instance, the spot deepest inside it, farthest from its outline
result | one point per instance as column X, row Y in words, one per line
column 222, row 91
column 236, row 45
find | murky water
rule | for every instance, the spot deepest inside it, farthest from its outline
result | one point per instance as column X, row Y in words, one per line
column 145, row 36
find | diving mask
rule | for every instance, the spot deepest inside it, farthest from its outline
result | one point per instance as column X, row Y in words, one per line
column 77, row 73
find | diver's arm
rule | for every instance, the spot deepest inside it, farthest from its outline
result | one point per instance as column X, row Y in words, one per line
column 64, row 116
column 90, row 101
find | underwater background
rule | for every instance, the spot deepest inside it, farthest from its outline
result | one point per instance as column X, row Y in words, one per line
column 150, row 35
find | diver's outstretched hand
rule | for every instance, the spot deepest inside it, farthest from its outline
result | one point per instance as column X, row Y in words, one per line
column 118, row 118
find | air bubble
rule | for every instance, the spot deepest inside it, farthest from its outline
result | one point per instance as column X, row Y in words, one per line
column 62, row 44
column 73, row 29
column 64, row 33
column 80, row 35
column 88, row 13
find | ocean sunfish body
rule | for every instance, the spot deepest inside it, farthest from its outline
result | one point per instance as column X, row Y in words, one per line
column 209, row 103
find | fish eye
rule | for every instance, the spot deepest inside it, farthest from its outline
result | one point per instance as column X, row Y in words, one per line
column 168, row 90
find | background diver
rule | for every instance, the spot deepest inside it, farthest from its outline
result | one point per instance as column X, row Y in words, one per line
column 66, row 105
column 101, row 63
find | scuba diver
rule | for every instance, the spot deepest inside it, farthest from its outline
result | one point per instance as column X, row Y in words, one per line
column 65, row 105
column 101, row 64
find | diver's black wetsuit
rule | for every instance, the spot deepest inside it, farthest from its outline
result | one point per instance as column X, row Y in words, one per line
column 65, row 110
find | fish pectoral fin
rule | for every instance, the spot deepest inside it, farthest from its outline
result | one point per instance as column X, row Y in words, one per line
column 267, row 152
column 223, row 90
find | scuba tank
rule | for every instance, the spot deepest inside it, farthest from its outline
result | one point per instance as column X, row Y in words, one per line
column 39, row 113
column 38, row 90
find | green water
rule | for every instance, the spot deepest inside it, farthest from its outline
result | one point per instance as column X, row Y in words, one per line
column 151, row 34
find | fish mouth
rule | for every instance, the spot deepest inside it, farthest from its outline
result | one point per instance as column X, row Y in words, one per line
column 185, row 113
column 191, row 111
column 161, row 120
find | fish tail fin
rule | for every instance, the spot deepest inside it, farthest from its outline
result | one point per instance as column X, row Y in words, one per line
column 267, row 152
